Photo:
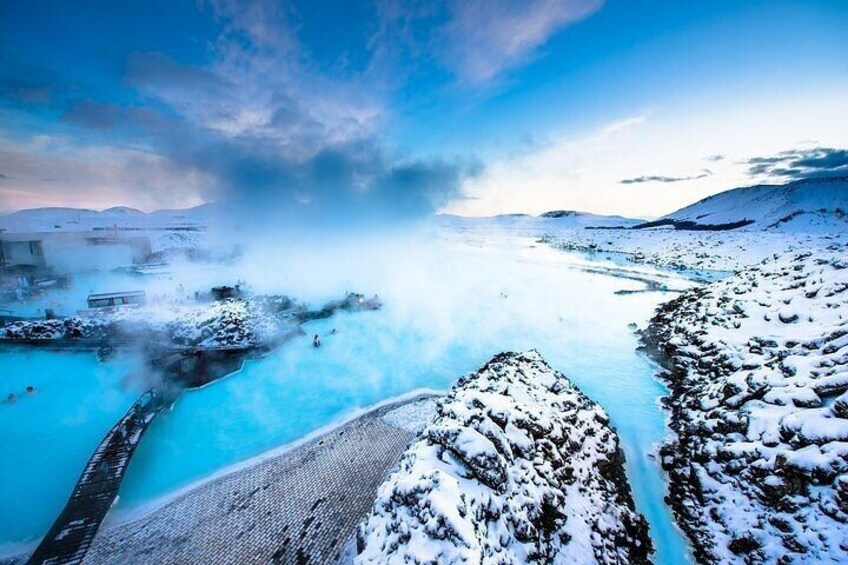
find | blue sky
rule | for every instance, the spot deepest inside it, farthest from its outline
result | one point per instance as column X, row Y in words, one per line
column 396, row 109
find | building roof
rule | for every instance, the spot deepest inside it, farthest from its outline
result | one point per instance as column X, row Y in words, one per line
column 103, row 295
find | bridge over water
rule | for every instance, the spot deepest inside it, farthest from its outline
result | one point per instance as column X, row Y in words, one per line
column 71, row 535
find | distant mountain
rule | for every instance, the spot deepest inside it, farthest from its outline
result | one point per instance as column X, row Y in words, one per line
column 554, row 218
column 586, row 219
column 803, row 205
column 559, row 214
column 82, row 219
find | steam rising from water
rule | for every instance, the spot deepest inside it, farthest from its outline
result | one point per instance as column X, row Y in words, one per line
column 352, row 185
column 452, row 299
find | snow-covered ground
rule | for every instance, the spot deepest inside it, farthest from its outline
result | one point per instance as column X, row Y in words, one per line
column 802, row 215
column 758, row 370
column 516, row 467
column 807, row 215
column 553, row 220
column 691, row 250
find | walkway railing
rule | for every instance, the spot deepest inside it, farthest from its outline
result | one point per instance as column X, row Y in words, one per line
column 73, row 531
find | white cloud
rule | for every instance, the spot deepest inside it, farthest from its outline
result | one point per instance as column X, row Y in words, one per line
column 476, row 40
column 261, row 83
column 484, row 38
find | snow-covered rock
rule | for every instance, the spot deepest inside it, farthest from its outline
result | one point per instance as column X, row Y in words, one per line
column 230, row 323
column 758, row 372
column 517, row 466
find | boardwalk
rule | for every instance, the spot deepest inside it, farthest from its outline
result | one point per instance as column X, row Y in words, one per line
column 299, row 506
column 73, row 531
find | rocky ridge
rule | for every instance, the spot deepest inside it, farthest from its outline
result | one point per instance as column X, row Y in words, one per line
column 517, row 466
column 757, row 366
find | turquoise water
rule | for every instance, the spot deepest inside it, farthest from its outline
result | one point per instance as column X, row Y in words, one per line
column 623, row 259
column 446, row 313
column 47, row 437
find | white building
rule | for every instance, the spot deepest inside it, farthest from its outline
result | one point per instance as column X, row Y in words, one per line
column 68, row 251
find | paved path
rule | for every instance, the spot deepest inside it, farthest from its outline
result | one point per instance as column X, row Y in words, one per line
column 73, row 531
column 302, row 506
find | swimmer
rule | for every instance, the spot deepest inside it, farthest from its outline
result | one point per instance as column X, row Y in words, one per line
column 30, row 389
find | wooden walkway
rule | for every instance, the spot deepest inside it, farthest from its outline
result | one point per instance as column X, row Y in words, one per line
column 301, row 505
column 73, row 531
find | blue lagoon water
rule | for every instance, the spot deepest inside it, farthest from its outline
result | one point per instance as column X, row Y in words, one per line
column 47, row 437
column 445, row 314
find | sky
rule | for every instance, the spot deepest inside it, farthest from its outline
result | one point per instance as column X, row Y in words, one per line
column 330, row 110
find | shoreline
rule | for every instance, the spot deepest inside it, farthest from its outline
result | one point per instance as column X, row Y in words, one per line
column 651, row 345
column 754, row 395
column 131, row 515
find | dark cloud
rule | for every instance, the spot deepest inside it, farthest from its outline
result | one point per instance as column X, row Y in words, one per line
column 290, row 172
column 353, row 183
column 24, row 84
column 654, row 178
column 282, row 145
column 797, row 164
column 715, row 158
column 102, row 116
column 89, row 114
column 159, row 70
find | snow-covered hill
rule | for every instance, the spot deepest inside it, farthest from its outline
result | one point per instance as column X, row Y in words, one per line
column 76, row 219
column 819, row 205
column 556, row 219
column 570, row 218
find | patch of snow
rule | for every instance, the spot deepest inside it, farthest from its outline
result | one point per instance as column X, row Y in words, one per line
column 412, row 417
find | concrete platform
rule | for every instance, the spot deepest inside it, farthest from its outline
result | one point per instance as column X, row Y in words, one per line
column 301, row 506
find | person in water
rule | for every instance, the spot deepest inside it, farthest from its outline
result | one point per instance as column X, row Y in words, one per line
column 315, row 341
column 11, row 398
column 30, row 389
